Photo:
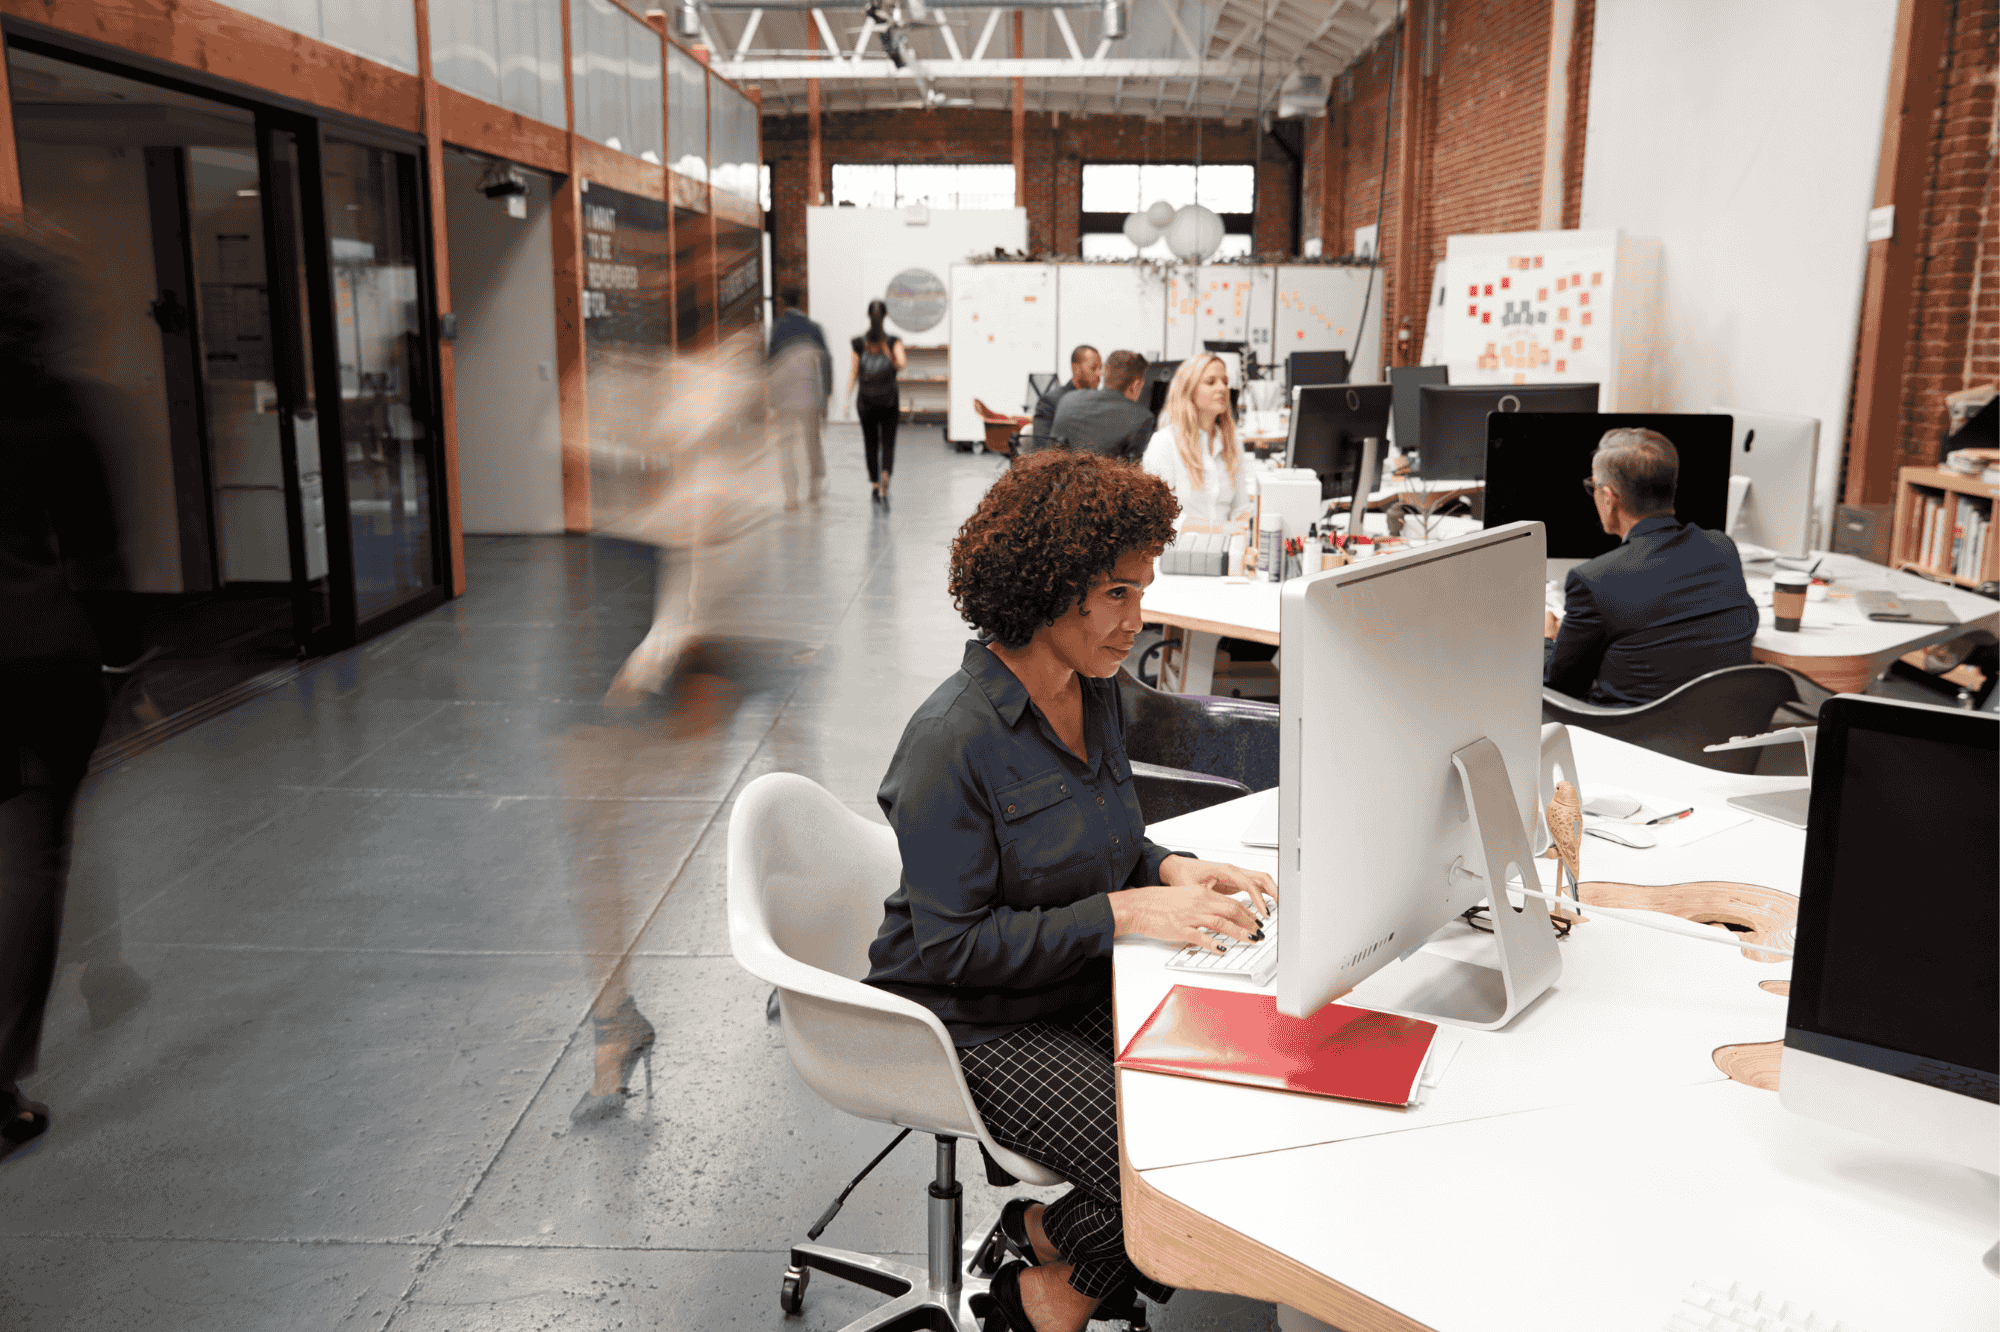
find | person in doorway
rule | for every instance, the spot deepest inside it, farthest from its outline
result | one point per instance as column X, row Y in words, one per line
column 1668, row 604
column 1108, row 420
column 1003, row 920
column 1085, row 372
column 62, row 589
column 1195, row 449
column 799, row 372
column 878, row 357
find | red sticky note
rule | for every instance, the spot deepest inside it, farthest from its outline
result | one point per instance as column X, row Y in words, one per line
column 1505, row 283
column 1561, row 366
column 1583, row 298
column 1489, row 289
column 1486, row 318
column 1576, row 344
column 1541, row 293
column 1585, row 318
column 1538, row 261
column 1472, row 312
column 1576, row 279
column 1474, row 291
column 1562, row 284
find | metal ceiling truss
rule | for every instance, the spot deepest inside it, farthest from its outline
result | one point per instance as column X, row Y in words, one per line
column 1203, row 57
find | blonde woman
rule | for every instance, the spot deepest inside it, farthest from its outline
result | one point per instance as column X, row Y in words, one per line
column 1195, row 450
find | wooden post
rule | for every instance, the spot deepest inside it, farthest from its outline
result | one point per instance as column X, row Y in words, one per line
column 441, row 270
column 1874, row 448
column 657, row 20
column 1410, row 277
column 816, row 173
column 1020, row 125
column 1555, row 125
column 566, row 245
column 11, row 207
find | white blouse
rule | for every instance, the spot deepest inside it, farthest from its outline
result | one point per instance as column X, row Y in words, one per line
column 1215, row 499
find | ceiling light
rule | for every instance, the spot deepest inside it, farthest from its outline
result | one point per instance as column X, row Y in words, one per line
column 690, row 20
column 1114, row 19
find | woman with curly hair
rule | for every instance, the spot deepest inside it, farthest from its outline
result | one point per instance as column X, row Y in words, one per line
column 1195, row 450
column 1025, row 855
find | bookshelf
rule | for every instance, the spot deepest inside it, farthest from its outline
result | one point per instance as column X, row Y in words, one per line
column 926, row 384
column 1943, row 526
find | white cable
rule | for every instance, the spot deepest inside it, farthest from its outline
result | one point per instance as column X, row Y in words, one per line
column 1658, row 921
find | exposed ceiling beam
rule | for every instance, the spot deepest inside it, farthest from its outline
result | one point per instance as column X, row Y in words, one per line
column 986, row 35
column 1069, row 37
column 826, row 31
column 749, row 31
column 950, row 40
column 1173, row 16
column 875, row 68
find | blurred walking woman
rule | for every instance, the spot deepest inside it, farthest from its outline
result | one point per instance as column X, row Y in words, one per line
column 1195, row 450
column 878, row 355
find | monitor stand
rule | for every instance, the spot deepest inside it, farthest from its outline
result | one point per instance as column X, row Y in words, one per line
column 1458, row 993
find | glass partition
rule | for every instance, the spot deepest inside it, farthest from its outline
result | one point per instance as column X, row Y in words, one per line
column 733, row 140
column 381, row 30
column 615, row 67
column 687, row 114
column 508, row 52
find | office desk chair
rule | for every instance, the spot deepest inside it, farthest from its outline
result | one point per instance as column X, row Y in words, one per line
column 807, row 876
column 1711, row 708
column 1039, row 387
column 1189, row 751
column 1000, row 428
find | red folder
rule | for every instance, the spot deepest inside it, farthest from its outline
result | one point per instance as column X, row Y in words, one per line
column 1230, row 1036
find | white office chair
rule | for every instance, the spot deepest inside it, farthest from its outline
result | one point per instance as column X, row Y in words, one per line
column 807, row 877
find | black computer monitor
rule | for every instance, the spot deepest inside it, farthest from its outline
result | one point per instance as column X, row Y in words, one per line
column 1451, row 421
column 1893, row 1024
column 1158, row 376
column 1329, row 421
column 1315, row 367
column 1536, row 463
column 1408, row 381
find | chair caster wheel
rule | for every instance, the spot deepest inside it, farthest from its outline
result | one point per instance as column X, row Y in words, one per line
column 792, row 1291
column 991, row 1254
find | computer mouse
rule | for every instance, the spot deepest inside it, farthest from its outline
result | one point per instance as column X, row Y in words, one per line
column 1611, row 806
column 1623, row 834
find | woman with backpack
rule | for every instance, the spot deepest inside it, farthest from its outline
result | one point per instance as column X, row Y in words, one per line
column 877, row 357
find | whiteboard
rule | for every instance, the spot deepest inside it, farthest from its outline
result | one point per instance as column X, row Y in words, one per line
column 1183, row 301
column 1003, row 327
column 1111, row 307
column 1320, row 308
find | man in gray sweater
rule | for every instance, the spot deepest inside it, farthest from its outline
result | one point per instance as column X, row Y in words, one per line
column 1108, row 420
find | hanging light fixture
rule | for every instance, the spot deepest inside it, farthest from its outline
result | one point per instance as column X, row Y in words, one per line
column 1114, row 20
column 690, row 20
column 1194, row 233
column 1139, row 229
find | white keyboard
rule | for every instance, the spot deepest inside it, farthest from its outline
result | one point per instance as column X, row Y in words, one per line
column 1713, row 1308
column 1253, row 962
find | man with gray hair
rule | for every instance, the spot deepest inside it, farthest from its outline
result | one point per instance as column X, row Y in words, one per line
column 1665, row 606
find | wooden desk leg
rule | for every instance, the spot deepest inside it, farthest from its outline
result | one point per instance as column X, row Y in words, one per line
column 1198, row 662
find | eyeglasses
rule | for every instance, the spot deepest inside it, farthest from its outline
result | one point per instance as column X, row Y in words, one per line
column 1590, row 486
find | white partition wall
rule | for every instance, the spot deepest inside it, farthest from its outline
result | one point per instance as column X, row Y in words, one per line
column 1111, row 307
column 1321, row 307
column 1003, row 327
column 852, row 254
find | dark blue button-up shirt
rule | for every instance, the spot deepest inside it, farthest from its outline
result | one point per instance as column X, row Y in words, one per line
column 1010, row 844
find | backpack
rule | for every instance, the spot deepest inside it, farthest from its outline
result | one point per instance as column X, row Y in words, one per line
column 878, row 375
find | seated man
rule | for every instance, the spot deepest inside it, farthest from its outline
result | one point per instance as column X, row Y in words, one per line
column 1109, row 420
column 1084, row 369
column 1664, row 607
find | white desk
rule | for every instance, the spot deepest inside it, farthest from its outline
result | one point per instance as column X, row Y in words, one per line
column 1837, row 646
column 1575, row 1171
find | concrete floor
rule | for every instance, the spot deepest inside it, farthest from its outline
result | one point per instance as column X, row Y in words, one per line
column 365, row 905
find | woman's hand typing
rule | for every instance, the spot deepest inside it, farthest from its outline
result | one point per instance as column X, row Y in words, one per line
column 1193, row 905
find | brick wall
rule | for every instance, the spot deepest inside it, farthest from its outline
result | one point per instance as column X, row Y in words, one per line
column 1057, row 147
column 1479, row 121
column 1953, row 340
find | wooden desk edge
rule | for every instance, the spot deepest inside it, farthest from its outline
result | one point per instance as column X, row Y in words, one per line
column 1839, row 675
column 1202, row 626
column 1174, row 1244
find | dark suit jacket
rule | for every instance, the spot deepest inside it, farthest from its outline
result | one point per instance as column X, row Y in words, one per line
column 1100, row 421
column 1667, row 605
column 1045, row 410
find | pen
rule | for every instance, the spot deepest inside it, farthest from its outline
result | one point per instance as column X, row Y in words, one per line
column 1669, row 818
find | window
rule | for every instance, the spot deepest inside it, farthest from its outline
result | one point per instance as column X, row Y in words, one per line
column 947, row 185
column 1112, row 191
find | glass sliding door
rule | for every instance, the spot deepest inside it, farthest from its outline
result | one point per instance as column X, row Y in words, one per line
column 387, row 398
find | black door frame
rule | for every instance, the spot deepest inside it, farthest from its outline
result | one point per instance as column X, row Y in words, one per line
column 308, row 124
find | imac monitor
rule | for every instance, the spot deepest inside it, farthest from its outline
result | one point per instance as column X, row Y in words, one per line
column 1422, row 661
column 1316, row 367
column 1158, row 375
column 1536, row 463
column 1328, row 424
column 1451, row 421
column 1772, row 460
column 1408, row 382
column 1893, row 1027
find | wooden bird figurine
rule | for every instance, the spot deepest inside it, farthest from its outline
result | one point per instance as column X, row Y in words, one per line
column 1565, row 815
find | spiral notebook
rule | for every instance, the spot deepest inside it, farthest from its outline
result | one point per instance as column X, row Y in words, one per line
column 1231, row 1036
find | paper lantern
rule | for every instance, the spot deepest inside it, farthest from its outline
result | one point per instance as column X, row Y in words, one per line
column 1195, row 233
column 1139, row 229
column 1160, row 214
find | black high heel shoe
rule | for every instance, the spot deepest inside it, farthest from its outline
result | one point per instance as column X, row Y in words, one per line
column 1014, row 1228
column 26, row 1120
column 627, row 1027
column 1004, row 1311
